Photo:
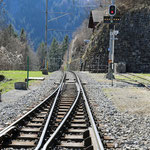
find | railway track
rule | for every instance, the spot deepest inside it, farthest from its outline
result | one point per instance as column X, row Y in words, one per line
column 62, row 121
column 25, row 132
column 134, row 77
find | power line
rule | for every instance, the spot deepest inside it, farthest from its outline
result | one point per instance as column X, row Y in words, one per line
column 86, row 6
column 58, row 17
column 61, row 30
column 56, row 12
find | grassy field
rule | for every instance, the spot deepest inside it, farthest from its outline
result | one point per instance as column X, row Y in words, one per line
column 16, row 76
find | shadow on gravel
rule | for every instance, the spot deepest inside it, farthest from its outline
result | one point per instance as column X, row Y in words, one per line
column 133, row 84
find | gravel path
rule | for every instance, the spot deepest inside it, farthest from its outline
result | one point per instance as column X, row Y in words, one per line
column 15, row 106
column 130, row 131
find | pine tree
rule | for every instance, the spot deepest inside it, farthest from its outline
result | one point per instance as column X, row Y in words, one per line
column 41, row 51
column 23, row 37
column 54, row 55
column 53, row 48
column 65, row 45
column 11, row 31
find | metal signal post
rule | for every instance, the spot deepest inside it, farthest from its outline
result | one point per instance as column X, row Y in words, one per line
column 111, row 53
column 111, row 20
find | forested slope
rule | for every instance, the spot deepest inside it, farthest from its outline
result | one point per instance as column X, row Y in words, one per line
column 30, row 15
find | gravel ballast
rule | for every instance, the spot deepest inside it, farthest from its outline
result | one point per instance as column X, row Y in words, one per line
column 13, row 108
column 130, row 131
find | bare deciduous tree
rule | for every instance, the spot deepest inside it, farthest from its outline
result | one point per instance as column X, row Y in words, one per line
column 14, row 52
column 77, row 46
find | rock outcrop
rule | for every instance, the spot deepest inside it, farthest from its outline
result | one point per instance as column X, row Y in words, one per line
column 132, row 46
column 9, row 60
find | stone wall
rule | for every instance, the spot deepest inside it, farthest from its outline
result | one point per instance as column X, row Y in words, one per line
column 132, row 46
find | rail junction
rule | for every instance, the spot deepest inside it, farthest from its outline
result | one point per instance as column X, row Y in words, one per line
column 62, row 121
column 143, row 82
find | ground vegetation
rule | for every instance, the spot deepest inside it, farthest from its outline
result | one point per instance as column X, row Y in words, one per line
column 16, row 76
column 52, row 56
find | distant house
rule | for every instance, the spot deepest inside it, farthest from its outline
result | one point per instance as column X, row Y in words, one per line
column 96, row 16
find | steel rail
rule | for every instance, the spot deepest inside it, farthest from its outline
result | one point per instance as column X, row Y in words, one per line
column 49, row 117
column 139, row 77
column 135, row 80
column 3, row 132
column 145, row 85
column 50, row 140
column 98, row 139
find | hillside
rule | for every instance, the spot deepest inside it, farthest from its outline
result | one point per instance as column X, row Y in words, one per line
column 131, row 46
column 30, row 15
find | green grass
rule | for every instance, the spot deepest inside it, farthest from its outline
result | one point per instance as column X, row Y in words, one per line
column 120, row 77
column 16, row 76
column 144, row 74
column 135, row 78
column 65, row 68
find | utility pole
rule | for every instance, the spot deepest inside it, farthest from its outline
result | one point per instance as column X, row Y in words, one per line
column 46, row 21
column 27, row 71
column 68, row 58
column 113, row 2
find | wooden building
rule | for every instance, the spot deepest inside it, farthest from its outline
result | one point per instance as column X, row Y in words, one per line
column 96, row 16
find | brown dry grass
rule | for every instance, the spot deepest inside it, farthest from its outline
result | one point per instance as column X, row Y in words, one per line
column 130, row 99
column 134, row 100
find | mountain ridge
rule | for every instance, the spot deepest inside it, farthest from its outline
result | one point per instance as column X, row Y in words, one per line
column 30, row 15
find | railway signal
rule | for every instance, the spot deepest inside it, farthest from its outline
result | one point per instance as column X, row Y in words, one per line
column 112, row 10
column 111, row 20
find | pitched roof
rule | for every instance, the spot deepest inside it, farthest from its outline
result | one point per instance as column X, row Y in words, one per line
column 96, row 16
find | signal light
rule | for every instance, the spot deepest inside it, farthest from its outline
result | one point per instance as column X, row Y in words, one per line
column 112, row 10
